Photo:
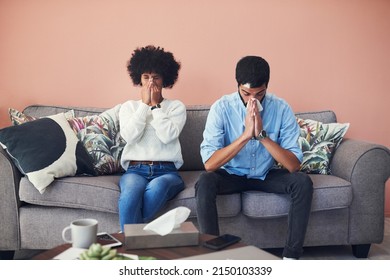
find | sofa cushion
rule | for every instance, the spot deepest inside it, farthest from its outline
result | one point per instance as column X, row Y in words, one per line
column 99, row 193
column 45, row 149
column 99, row 134
column 227, row 205
column 18, row 117
column 318, row 142
column 330, row 192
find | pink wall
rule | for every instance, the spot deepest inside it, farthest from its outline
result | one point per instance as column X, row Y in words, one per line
column 330, row 54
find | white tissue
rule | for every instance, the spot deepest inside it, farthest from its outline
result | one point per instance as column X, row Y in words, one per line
column 169, row 221
column 247, row 85
column 258, row 104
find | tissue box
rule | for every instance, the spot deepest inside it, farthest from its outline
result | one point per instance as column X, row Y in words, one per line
column 138, row 238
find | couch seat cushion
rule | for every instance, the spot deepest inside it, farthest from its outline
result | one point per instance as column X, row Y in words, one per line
column 98, row 193
column 330, row 192
column 101, row 193
column 227, row 205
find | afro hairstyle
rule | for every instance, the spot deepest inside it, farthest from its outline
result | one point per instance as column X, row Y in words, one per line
column 153, row 59
column 253, row 70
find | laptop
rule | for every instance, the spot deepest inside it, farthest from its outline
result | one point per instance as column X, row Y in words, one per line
column 241, row 253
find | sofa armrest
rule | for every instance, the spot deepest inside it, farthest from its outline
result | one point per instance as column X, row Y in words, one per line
column 367, row 167
column 9, row 203
column 354, row 158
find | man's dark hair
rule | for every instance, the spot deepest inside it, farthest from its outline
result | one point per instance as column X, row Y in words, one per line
column 153, row 59
column 253, row 70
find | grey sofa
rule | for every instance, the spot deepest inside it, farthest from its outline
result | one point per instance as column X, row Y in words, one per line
column 347, row 208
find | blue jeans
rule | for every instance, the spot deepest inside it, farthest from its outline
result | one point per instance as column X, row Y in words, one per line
column 145, row 189
column 297, row 184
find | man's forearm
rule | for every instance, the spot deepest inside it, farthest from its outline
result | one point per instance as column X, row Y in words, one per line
column 223, row 155
column 283, row 156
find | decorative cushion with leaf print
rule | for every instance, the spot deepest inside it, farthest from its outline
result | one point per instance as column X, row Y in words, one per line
column 318, row 142
column 18, row 117
column 100, row 136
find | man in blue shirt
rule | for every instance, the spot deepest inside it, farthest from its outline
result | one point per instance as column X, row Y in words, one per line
column 247, row 134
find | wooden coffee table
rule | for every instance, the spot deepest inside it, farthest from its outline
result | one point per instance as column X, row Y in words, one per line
column 168, row 253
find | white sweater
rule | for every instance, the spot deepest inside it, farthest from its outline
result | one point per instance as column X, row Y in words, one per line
column 152, row 134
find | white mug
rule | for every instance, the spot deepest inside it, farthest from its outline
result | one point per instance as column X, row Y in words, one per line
column 83, row 233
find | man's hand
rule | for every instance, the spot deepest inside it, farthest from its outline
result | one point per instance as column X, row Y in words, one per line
column 249, row 121
column 253, row 121
column 223, row 155
column 258, row 121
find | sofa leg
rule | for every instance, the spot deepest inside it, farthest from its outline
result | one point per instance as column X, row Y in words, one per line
column 361, row 251
column 7, row 255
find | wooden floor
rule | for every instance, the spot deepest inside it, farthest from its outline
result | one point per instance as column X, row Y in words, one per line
column 377, row 251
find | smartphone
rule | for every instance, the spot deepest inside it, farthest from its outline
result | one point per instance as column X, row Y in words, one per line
column 107, row 240
column 221, row 242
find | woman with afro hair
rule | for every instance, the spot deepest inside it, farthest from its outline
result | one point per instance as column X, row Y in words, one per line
column 151, row 127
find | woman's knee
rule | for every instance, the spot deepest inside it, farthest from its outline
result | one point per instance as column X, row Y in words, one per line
column 131, row 181
column 132, row 189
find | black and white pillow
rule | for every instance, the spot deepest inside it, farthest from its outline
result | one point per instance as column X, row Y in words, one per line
column 45, row 149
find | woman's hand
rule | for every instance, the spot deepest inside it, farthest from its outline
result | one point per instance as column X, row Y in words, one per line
column 151, row 93
column 146, row 92
column 155, row 92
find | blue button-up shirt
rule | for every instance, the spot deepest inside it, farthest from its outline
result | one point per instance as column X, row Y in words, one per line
column 226, row 122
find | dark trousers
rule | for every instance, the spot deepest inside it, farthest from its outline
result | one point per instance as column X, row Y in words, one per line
column 297, row 184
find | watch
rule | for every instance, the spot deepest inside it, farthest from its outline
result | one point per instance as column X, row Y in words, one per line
column 262, row 135
column 155, row 106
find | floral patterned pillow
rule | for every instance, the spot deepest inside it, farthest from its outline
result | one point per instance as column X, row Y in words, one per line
column 318, row 142
column 17, row 117
column 100, row 136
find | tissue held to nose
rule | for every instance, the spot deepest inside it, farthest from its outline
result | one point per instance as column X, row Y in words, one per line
column 258, row 104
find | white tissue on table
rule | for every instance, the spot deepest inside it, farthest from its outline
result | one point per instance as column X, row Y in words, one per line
column 169, row 221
